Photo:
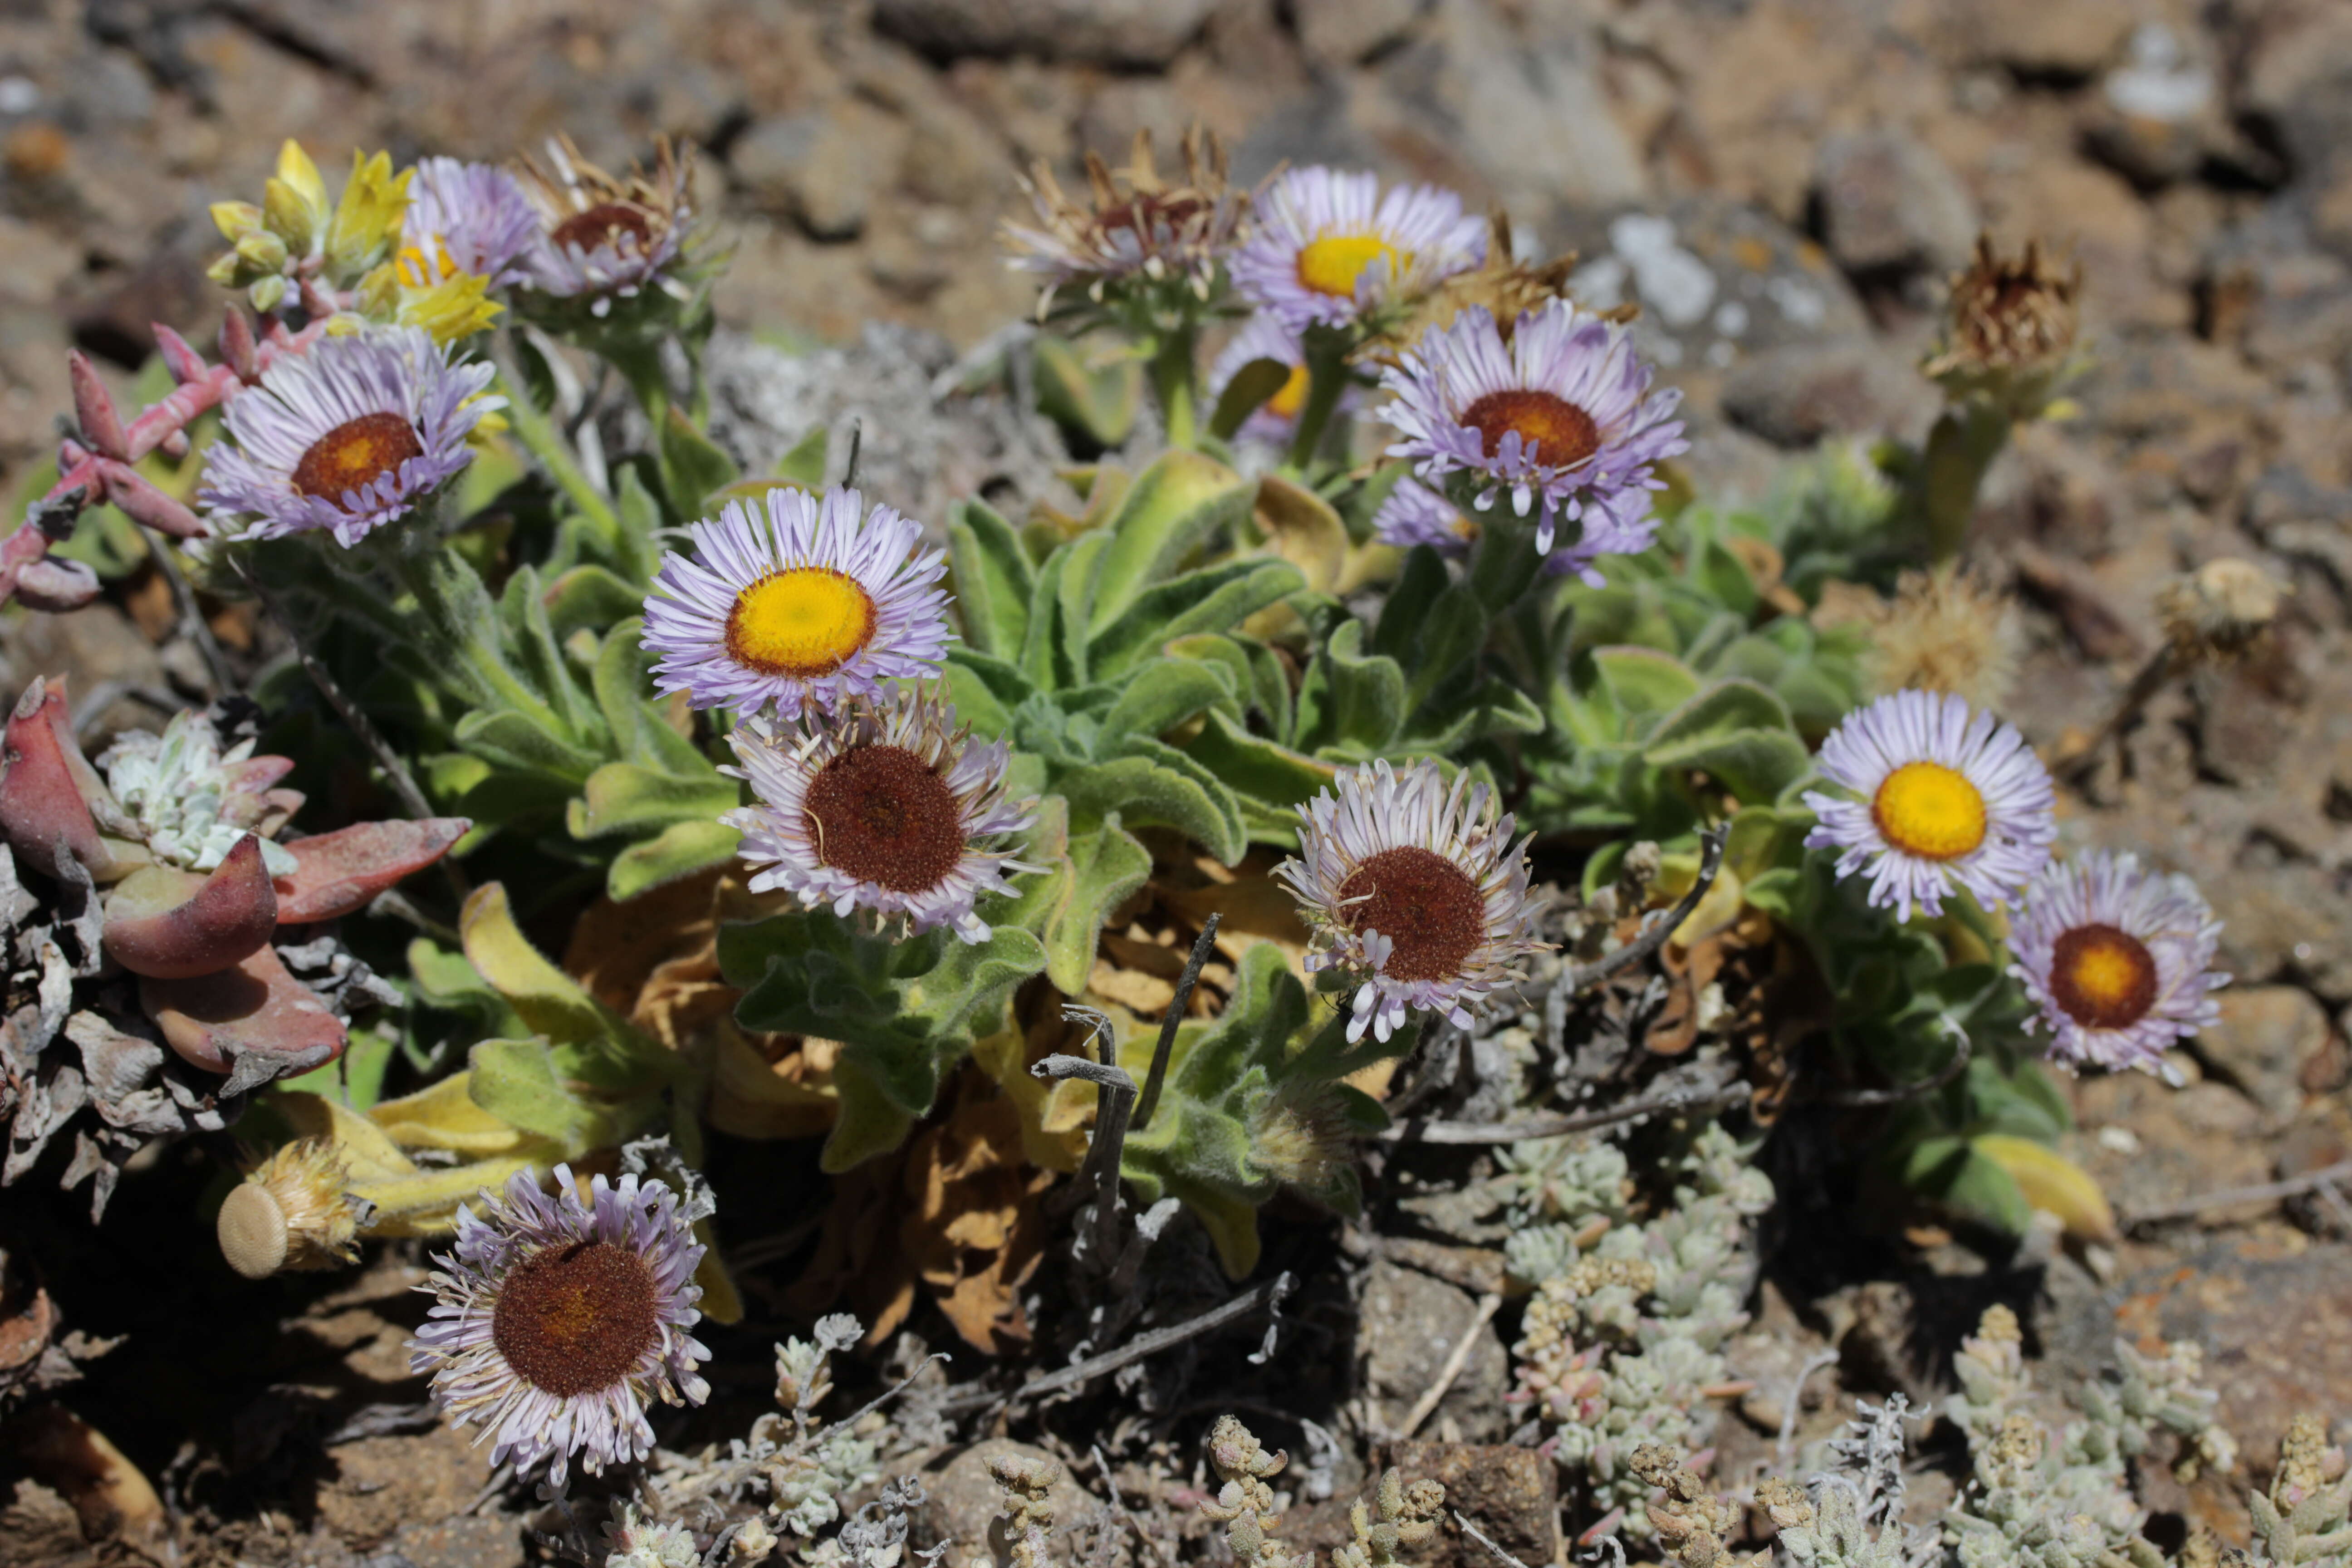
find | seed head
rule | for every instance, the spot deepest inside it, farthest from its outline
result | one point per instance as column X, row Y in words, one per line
column 2221, row 610
column 291, row 1211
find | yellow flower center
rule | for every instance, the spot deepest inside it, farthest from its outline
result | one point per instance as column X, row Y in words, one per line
column 2103, row 977
column 1930, row 810
column 805, row 621
column 355, row 454
column 423, row 269
column 1332, row 264
column 1290, row 396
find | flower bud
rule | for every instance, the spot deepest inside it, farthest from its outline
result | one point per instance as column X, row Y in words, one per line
column 268, row 293
column 236, row 219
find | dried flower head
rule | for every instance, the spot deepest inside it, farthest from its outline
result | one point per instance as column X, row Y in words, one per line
column 1028, row 1487
column 1947, row 798
column 2009, row 314
column 1414, row 888
column 605, row 237
column 1946, row 630
column 2221, row 610
column 554, row 1321
column 1502, row 285
column 292, row 1210
column 2118, row 961
column 1130, row 223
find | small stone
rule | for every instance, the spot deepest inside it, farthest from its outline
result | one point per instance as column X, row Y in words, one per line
column 1795, row 395
column 2265, row 1035
column 823, row 169
column 1889, row 203
column 2071, row 39
column 961, row 1499
column 1347, row 32
column 1510, row 1494
column 1407, row 1325
column 1135, row 33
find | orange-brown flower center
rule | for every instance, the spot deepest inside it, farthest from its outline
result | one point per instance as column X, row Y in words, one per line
column 884, row 815
column 1554, row 431
column 1423, row 903
column 2101, row 977
column 571, row 1319
column 602, row 224
column 354, row 454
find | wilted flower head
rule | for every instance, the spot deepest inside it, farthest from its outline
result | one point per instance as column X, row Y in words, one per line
column 796, row 605
column 604, row 238
column 1945, row 630
column 1502, row 285
column 2220, row 610
column 555, row 1321
column 888, row 806
column 292, row 1210
column 295, row 235
column 1561, row 416
column 1948, row 798
column 1130, row 223
column 2118, row 959
column 2011, row 328
column 1330, row 248
column 1415, row 888
column 352, row 435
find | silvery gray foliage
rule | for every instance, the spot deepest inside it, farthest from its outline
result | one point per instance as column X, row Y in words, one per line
column 634, row 1541
column 875, row 1536
column 2304, row 1520
column 2037, row 1499
column 1630, row 1316
column 1850, row 1515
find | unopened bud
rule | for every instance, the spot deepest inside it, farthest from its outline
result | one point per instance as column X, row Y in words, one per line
column 268, row 293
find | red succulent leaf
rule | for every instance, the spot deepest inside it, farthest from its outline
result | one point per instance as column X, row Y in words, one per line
column 47, row 786
column 255, row 774
column 174, row 925
column 336, row 873
column 257, row 1008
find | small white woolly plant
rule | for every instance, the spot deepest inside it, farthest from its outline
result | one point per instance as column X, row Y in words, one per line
column 802, row 1465
column 1399, row 1516
column 2304, row 1520
column 2036, row 1497
column 1028, row 1515
column 1622, row 1342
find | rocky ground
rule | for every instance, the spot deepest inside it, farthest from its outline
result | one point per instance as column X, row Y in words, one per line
column 1780, row 184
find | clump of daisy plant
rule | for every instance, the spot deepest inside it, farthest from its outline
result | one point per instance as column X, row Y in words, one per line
column 555, row 1321
column 2119, row 960
column 1414, row 889
column 1557, row 412
column 886, row 805
column 794, row 604
column 1944, row 799
column 357, row 433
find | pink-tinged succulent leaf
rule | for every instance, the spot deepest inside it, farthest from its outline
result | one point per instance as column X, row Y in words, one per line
column 254, row 1021
column 236, row 346
column 57, row 585
column 338, row 872
column 47, row 786
column 167, row 924
column 255, row 774
column 183, row 361
column 143, row 502
column 265, row 814
column 94, row 407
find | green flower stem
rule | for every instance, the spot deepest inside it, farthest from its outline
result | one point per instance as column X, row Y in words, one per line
column 1960, row 449
column 547, row 446
column 1172, row 372
column 1326, row 378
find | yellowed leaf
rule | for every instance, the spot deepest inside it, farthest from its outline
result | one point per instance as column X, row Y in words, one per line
column 2051, row 1182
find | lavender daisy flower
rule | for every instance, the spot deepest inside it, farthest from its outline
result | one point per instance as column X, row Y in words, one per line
column 1415, row 514
column 466, row 218
column 554, row 1321
column 1414, row 888
column 1560, row 413
column 1264, row 336
column 2119, row 960
column 798, row 605
column 348, row 437
column 1329, row 247
column 886, row 806
column 1950, row 798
